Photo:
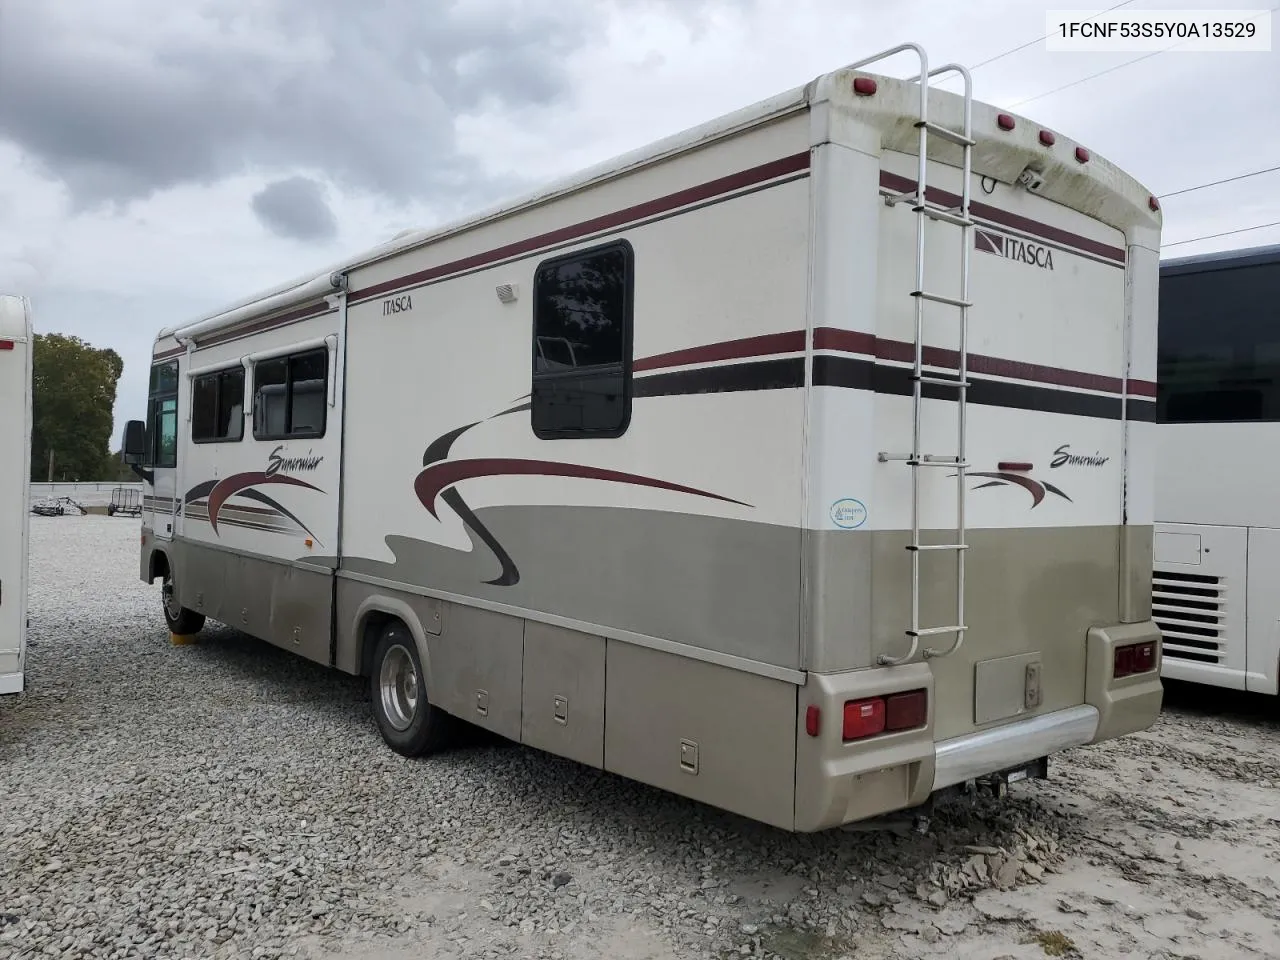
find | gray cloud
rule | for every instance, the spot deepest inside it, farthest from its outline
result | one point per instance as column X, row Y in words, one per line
column 295, row 208
column 366, row 92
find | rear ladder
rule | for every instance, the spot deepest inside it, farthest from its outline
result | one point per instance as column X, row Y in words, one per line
column 944, row 385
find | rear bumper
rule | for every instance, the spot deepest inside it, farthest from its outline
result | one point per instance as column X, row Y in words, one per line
column 978, row 754
column 839, row 782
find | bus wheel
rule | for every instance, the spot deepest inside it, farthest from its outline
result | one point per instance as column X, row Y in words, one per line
column 182, row 622
column 407, row 720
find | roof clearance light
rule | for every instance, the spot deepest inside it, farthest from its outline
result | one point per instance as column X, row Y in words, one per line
column 1153, row 203
column 1082, row 154
column 1047, row 138
column 864, row 86
column 1004, row 121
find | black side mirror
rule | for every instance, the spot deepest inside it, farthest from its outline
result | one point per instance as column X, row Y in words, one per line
column 134, row 447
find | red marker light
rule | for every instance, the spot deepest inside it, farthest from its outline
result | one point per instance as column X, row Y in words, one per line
column 1082, row 154
column 864, row 86
column 1004, row 121
column 1047, row 138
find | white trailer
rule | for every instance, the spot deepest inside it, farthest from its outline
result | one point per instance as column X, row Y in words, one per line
column 699, row 467
column 1217, row 543
column 15, row 473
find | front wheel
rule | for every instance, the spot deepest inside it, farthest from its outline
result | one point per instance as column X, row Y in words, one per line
column 407, row 720
column 182, row 622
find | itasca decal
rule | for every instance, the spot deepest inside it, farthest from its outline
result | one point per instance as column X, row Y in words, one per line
column 280, row 464
column 1011, row 248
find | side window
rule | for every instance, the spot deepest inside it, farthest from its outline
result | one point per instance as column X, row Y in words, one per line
column 217, row 406
column 582, row 318
column 162, row 417
column 291, row 396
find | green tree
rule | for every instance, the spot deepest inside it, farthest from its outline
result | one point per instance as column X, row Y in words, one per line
column 73, row 393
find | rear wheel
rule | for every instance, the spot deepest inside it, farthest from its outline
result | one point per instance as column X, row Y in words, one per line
column 181, row 621
column 406, row 718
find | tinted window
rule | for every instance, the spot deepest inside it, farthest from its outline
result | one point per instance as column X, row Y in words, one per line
column 582, row 344
column 291, row 396
column 1219, row 345
column 217, row 406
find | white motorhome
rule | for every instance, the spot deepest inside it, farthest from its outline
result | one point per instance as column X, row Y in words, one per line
column 1217, row 542
column 699, row 468
column 15, row 474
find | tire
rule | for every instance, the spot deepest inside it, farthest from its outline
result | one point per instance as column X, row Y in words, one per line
column 182, row 622
column 409, row 723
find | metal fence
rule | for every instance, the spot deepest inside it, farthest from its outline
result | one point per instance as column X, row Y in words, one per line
column 85, row 494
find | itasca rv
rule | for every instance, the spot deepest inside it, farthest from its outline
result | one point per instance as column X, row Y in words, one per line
column 1217, row 540
column 800, row 464
column 15, row 471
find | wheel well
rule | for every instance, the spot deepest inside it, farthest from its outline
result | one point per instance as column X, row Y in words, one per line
column 159, row 564
column 375, row 621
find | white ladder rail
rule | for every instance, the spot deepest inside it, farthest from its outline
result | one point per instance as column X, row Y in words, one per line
column 916, row 459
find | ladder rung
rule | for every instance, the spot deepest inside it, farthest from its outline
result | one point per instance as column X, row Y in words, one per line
column 943, row 214
column 944, row 381
column 946, row 133
column 937, row 546
column 939, row 298
column 934, row 631
column 926, row 460
column 894, row 198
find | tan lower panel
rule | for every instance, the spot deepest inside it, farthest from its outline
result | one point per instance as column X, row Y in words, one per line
column 563, row 700
column 1027, row 591
column 714, row 734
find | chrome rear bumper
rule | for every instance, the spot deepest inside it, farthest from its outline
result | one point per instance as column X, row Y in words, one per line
column 978, row 754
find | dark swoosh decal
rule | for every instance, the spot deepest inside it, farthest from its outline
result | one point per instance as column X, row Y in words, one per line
column 434, row 479
column 233, row 484
column 261, row 497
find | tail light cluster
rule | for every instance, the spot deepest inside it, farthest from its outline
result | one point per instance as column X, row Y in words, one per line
column 1134, row 658
column 873, row 716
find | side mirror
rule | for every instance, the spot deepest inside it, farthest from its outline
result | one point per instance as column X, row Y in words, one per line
column 134, row 448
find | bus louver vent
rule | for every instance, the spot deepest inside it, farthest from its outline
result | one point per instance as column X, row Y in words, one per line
column 1189, row 608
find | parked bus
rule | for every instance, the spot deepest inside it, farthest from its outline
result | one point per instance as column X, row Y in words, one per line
column 683, row 467
column 15, row 474
column 1217, row 545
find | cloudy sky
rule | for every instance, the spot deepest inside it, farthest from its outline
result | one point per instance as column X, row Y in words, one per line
column 160, row 159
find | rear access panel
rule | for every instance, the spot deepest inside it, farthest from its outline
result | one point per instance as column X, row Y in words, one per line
column 1006, row 687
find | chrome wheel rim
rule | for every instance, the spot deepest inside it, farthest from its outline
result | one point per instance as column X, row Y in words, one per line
column 171, row 605
column 398, row 684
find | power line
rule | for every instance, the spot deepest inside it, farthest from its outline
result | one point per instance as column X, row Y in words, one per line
column 1118, row 66
column 1215, row 183
column 1227, row 233
column 1029, row 43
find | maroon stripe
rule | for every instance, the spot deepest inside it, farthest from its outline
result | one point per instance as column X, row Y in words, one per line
column 770, row 343
column 176, row 351
column 608, row 221
column 1012, row 220
column 854, row 341
column 846, row 341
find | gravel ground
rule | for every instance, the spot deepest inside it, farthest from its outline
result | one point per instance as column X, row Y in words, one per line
column 230, row 800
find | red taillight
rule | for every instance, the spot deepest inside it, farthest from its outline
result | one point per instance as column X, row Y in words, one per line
column 863, row 718
column 864, row 86
column 890, row 714
column 812, row 721
column 6, row 344
column 1082, row 154
column 1004, row 121
column 1047, row 138
column 1134, row 658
